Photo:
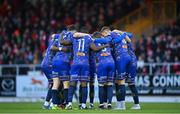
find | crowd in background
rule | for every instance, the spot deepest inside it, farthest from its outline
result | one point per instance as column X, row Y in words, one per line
column 163, row 47
column 25, row 27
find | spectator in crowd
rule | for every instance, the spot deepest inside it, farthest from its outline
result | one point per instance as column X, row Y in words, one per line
column 26, row 24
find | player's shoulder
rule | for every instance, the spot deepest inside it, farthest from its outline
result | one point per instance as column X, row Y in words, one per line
column 55, row 37
column 88, row 37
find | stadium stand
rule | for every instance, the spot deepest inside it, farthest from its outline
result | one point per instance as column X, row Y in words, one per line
column 24, row 31
column 27, row 24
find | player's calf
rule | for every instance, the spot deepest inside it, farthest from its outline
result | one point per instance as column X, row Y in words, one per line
column 84, row 94
column 66, row 87
column 47, row 102
column 109, row 94
column 101, row 95
column 70, row 94
column 135, row 96
column 122, row 91
column 91, row 94
column 55, row 97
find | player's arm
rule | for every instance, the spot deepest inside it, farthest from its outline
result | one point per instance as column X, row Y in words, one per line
column 54, row 46
column 118, row 31
column 130, row 35
column 118, row 38
column 98, row 48
column 79, row 34
column 102, row 40
column 127, row 37
column 64, row 40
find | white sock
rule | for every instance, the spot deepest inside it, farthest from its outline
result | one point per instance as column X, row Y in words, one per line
column 83, row 105
column 136, row 105
column 70, row 103
column 46, row 103
column 122, row 104
column 105, row 105
column 51, row 104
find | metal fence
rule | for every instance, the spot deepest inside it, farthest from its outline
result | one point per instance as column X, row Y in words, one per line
column 143, row 68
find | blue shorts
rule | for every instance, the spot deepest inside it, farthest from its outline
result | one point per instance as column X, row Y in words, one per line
column 132, row 71
column 105, row 72
column 79, row 72
column 61, row 69
column 92, row 72
column 122, row 65
column 48, row 72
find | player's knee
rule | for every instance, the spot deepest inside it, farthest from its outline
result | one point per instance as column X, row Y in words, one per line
column 101, row 84
column 121, row 82
column 66, row 84
column 83, row 84
column 109, row 83
column 56, row 83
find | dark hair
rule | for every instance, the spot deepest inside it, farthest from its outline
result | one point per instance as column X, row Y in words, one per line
column 71, row 27
column 84, row 29
column 96, row 35
column 105, row 28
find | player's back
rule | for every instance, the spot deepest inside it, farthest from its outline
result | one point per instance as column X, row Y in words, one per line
column 92, row 58
column 49, row 54
column 61, row 55
column 104, row 55
column 120, row 47
column 81, row 49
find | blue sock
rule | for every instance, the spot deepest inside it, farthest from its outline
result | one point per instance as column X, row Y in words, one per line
column 84, row 94
column 70, row 93
column 55, row 97
column 101, row 94
column 61, row 97
column 105, row 94
column 117, row 92
column 80, row 94
column 91, row 94
column 49, row 95
column 134, row 93
column 66, row 95
column 122, row 92
column 109, row 93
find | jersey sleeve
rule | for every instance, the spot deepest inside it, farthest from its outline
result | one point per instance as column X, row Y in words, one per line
column 103, row 40
column 118, row 37
column 90, row 40
column 68, row 36
column 55, row 42
column 130, row 35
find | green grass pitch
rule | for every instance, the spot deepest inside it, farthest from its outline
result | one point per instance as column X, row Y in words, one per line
column 35, row 108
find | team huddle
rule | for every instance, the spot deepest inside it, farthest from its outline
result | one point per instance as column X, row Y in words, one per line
column 77, row 57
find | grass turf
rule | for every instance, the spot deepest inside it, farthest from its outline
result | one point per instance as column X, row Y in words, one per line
column 35, row 108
